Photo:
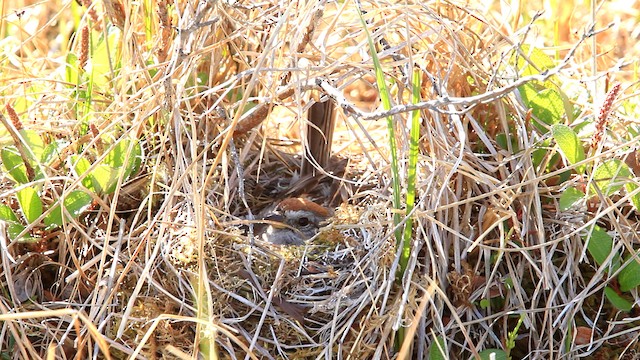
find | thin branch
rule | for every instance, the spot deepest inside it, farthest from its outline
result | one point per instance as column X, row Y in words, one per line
column 466, row 103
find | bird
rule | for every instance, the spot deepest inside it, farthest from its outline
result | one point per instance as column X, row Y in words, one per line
column 292, row 221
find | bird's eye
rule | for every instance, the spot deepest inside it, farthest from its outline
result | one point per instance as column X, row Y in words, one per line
column 303, row 221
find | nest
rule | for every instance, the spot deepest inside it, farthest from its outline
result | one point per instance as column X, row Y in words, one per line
column 298, row 301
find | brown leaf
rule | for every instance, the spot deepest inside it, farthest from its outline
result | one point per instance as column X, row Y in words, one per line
column 583, row 335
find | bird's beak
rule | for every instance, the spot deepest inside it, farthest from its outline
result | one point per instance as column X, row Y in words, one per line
column 276, row 220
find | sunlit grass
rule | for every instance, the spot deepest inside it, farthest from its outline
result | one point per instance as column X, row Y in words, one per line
column 174, row 271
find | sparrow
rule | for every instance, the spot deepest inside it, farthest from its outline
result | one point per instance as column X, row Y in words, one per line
column 291, row 222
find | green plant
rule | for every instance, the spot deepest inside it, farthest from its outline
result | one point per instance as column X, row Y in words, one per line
column 512, row 335
column 24, row 163
column 411, row 174
column 600, row 247
column 91, row 73
column 47, row 204
column 97, row 64
column 403, row 237
column 438, row 349
column 493, row 354
column 121, row 161
column 605, row 177
column 385, row 96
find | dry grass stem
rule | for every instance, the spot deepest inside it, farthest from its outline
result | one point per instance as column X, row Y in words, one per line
column 209, row 99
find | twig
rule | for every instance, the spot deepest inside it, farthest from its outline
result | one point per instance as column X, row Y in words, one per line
column 467, row 103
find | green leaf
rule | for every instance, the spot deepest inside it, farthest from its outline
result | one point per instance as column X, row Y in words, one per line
column 541, row 152
column 76, row 202
column 569, row 197
column 493, row 354
column 538, row 155
column 617, row 300
column 438, row 351
column 629, row 276
column 485, row 303
column 54, row 219
column 7, row 214
column 35, row 143
column 635, row 199
column 104, row 179
column 116, row 157
column 600, row 245
column 14, row 227
column 508, row 282
column 564, row 176
column 101, row 179
column 609, row 177
column 83, row 165
column 538, row 59
column 30, row 204
column 71, row 75
column 104, row 59
column 569, row 144
column 13, row 164
column 385, row 98
column 52, row 151
column 528, row 91
column 501, row 140
column 546, row 105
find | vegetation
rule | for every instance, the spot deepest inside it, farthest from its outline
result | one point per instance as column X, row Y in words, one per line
column 485, row 180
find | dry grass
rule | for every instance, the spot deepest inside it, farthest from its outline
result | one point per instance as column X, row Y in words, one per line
column 217, row 92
